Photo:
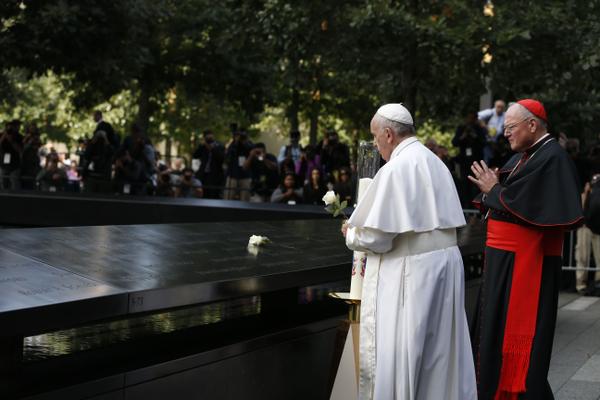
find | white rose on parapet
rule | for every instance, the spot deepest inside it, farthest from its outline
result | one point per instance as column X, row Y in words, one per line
column 256, row 240
column 329, row 198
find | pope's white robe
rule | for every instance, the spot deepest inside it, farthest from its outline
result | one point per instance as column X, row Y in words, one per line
column 414, row 340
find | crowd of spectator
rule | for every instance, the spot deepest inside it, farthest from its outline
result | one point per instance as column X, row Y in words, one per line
column 239, row 169
column 236, row 170
column 242, row 170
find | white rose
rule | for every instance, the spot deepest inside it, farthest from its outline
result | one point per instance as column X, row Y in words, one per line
column 256, row 240
column 329, row 198
column 254, row 250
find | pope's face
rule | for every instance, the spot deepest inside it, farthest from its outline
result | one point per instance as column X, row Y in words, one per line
column 383, row 139
column 519, row 131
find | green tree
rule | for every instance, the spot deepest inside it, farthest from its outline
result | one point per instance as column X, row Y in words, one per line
column 549, row 50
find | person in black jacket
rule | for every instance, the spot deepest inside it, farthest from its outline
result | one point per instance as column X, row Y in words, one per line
column 207, row 162
column 30, row 159
column 315, row 188
column 129, row 174
column 97, row 164
column 112, row 137
column 470, row 138
column 335, row 155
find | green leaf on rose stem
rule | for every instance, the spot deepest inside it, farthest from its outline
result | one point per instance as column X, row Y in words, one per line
column 336, row 213
column 343, row 205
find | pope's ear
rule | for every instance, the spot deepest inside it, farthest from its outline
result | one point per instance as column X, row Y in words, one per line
column 389, row 135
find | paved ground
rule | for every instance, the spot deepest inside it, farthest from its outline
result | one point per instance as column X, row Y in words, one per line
column 575, row 368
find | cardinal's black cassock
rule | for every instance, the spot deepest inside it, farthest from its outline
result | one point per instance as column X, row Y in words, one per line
column 536, row 201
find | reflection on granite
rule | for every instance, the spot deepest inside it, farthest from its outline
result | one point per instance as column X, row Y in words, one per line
column 101, row 335
column 317, row 293
column 70, row 341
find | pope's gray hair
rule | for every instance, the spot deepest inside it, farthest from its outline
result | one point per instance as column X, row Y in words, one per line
column 398, row 128
column 526, row 114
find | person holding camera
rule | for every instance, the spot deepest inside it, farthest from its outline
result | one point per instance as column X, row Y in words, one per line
column 263, row 170
column 238, row 183
column 129, row 175
column 97, row 164
column 188, row 186
column 112, row 137
column 30, row 158
column 164, row 182
column 470, row 139
column 291, row 151
column 52, row 178
column 140, row 148
column 207, row 162
column 335, row 155
column 309, row 160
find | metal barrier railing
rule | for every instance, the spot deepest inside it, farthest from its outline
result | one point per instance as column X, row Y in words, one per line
column 571, row 266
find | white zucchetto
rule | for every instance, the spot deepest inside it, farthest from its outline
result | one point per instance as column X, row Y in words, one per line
column 396, row 112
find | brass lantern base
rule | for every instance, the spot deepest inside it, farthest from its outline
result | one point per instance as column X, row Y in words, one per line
column 354, row 310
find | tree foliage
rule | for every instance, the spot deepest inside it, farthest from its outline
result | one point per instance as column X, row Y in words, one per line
column 550, row 50
column 180, row 66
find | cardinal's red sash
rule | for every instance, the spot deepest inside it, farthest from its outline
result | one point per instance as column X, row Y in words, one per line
column 530, row 245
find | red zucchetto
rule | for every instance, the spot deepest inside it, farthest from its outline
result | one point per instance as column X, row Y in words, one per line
column 535, row 107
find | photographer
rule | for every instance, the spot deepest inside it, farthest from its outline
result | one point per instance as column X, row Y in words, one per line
column 291, row 151
column 207, row 161
column 30, row 159
column 111, row 136
column 334, row 155
column 470, row 138
column 52, row 178
column 238, row 182
column 164, row 182
column 11, row 146
column 309, row 160
column 97, row 164
column 188, row 185
column 129, row 175
column 140, row 149
column 263, row 170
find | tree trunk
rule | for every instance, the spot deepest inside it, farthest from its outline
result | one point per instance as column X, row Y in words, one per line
column 408, row 88
column 410, row 78
column 355, row 141
column 144, row 111
column 315, row 109
column 168, row 148
column 293, row 110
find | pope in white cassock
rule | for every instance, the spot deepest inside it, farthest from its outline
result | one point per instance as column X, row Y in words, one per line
column 414, row 340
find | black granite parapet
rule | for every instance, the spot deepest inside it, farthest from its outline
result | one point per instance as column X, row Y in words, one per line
column 45, row 209
column 152, row 267
column 97, row 283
